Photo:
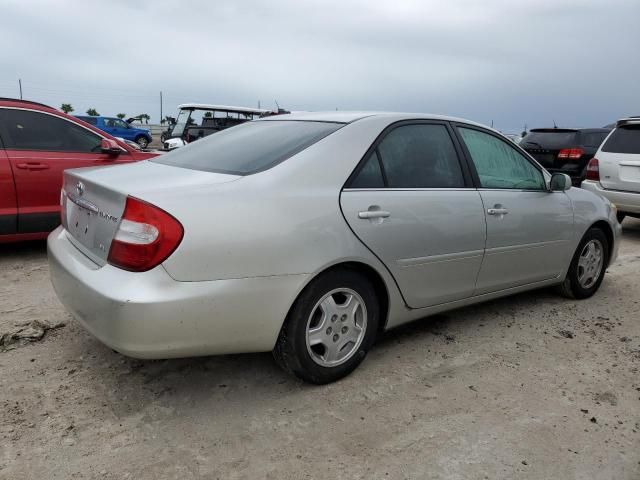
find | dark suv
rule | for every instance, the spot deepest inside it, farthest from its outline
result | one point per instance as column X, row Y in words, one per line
column 564, row 150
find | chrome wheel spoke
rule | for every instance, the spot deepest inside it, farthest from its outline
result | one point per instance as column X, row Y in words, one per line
column 329, row 306
column 317, row 336
column 583, row 262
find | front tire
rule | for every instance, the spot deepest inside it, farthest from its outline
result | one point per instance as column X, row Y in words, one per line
column 330, row 327
column 142, row 142
column 588, row 266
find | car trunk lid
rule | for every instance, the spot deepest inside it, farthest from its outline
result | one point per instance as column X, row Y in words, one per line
column 93, row 199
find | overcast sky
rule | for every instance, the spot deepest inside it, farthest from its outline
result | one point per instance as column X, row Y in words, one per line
column 510, row 62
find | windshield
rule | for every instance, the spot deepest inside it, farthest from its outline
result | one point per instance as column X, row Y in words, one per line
column 250, row 147
column 181, row 123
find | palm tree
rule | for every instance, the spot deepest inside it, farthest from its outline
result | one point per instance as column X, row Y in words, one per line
column 143, row 116
column 92, row 112
column 121, row 115
column 66, row 108
column 208, row 115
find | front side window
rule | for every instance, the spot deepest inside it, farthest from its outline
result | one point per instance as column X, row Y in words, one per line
column 29, row 130
column 498, row 164
column 250, row 147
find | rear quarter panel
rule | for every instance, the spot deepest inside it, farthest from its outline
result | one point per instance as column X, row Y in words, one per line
column 284, row 221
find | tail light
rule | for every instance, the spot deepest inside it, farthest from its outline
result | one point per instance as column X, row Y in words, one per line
column 593, row 170
column 571, row 153
column 146, row 236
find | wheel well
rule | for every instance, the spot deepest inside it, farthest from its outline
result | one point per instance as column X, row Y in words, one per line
column 606, row 229
column 382, row 294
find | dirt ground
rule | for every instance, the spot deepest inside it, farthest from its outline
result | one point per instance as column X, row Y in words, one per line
column 532, row 386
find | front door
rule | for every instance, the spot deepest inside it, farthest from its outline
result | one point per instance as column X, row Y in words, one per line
column 40, row 146
column 529, row 229
column 412, row 204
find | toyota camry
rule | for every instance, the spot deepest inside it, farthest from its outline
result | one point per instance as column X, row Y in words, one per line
column 310, row 234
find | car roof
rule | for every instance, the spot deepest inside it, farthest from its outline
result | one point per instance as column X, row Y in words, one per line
column 569, row 130
column 225, row 108
column 9, row 102
column 628, row 121
column 349, row 117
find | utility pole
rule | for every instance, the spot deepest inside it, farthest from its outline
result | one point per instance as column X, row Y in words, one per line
column 20, row 85
column 161, row 117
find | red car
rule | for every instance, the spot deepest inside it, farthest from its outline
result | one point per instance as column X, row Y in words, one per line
column 37, row 143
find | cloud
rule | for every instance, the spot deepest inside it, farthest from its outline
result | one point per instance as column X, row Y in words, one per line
column 531, row 62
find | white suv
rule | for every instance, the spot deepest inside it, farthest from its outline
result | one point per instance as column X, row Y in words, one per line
column 614, row 172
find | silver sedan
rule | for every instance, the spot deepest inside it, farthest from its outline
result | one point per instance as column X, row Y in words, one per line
column 310, row 234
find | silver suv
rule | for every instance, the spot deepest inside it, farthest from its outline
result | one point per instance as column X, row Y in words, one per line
column 614, row 172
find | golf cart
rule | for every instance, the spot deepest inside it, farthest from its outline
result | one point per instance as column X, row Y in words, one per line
column 197, row 120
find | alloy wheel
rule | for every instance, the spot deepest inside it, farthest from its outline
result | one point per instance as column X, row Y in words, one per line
column 336, row 327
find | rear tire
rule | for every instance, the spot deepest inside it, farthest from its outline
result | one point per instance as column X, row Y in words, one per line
column 330, row 327
column 588, row 266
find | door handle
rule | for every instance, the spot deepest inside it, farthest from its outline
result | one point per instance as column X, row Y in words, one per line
column 497, row 211
column 32, row 166
column 374, row 214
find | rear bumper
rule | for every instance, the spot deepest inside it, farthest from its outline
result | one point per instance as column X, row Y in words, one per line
column 150, row 315
column 626, row 202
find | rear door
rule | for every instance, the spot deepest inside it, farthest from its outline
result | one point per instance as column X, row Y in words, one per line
column 529, row 229
column 619, row 160
column 8, row 205
column 39, row 147
column 412, row 203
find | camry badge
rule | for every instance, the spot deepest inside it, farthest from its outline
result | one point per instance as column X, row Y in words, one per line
column 80, row 188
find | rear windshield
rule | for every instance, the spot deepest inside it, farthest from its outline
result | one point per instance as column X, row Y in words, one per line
column 624, row 140
column 249, row 148
column 550, row 140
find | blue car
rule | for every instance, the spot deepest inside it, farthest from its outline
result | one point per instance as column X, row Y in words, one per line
column 119, row 128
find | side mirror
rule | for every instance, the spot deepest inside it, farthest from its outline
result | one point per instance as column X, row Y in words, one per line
column 110, row 147
column 560, row 182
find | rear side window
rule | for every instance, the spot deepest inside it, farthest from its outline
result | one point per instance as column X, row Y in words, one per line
column 412, row 156
column 420, row 156
column 29, row 130
column 624, row 140
column 370, row 175
column 250, row 147
column 592, row 139
column 498, row 164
